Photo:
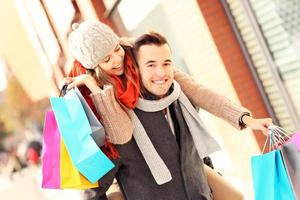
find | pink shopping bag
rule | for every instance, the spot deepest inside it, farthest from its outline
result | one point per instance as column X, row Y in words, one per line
column 51, row 153
column 296, row 140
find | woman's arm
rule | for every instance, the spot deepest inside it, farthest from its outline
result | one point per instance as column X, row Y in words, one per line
column 117, row 123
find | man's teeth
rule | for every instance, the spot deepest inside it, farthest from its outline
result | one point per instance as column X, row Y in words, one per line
column 159, row 82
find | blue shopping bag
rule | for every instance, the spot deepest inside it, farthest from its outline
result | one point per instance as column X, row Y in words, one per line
column 76, row 133
column 98, row 132
column 270, row 177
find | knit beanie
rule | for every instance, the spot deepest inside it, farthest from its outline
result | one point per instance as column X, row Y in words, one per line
column 90, row 41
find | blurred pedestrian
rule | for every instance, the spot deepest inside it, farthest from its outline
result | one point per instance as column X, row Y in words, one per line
column 34, row 152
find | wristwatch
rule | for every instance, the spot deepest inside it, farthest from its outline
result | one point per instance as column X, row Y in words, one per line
column 241, row 123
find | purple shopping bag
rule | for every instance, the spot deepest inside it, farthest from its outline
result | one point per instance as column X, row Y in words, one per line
column 51, row 153
column 296, row 140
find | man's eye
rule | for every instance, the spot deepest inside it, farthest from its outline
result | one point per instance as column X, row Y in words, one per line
column 151, row 65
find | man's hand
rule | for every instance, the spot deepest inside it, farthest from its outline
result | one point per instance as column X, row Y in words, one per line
column 258, row 124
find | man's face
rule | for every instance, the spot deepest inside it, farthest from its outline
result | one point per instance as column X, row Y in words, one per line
column 156, row 68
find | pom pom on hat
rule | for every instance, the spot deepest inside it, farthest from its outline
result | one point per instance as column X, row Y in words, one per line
column 90, row 41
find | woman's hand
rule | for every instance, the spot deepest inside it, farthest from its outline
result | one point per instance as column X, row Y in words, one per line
column 258, row 124
column 83, row 79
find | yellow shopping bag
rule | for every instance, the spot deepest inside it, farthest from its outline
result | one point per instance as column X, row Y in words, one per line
column 69, row 175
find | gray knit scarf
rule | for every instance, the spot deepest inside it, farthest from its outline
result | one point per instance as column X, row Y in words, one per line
column 204, row 142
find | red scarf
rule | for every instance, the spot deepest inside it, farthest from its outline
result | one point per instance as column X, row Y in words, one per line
column 108, row 148
column 130, row 94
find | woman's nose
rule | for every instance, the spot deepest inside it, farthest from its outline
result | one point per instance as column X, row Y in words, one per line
column 116, row 58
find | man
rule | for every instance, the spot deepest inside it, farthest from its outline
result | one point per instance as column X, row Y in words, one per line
column 163, row 161
column 167, row 129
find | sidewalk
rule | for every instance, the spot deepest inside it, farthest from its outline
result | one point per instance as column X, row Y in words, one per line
column 27, row 184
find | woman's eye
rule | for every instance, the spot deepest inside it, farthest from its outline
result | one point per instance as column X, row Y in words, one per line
column 117, row 49
column 106, row 60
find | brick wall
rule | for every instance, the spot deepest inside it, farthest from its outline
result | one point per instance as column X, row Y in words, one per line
column 233, row 59
column 100, row 10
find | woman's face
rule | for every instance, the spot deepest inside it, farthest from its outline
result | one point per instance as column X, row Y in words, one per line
column 113, row 63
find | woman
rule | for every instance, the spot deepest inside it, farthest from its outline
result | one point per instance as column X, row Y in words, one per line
column 109, row 61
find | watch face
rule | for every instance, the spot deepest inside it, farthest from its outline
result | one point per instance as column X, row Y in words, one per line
column 241, row 123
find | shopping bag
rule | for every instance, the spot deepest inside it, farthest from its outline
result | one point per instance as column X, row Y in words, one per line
column 291, row 158
column 290, row 151
column 76, row 132
column 51, row 153
column 98, row 133
column 58, row 171
column 270, row 179
column 296, row 140
column 70, row 176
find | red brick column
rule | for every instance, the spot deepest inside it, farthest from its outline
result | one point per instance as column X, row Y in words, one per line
column 233, row 59
column 100, row 10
